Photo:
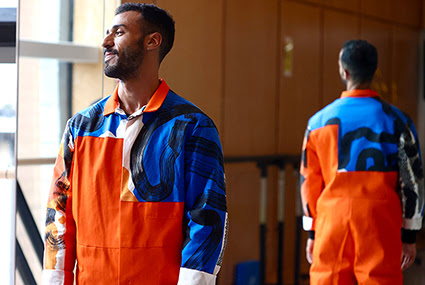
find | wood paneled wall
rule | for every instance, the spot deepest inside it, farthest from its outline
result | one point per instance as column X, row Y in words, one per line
column 194, row 67
column 260, row 69
column 91, row 19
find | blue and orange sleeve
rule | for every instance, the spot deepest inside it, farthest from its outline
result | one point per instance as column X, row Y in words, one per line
column 59, row 253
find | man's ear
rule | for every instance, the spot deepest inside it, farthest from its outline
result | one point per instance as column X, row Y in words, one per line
column 345, row 74
column 153, row 41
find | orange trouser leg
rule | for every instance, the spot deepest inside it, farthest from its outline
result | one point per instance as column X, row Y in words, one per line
column 376, row 231
column 357, row 239
column 333, row 252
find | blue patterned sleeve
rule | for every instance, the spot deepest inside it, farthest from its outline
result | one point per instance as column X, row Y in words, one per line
column 411, row 182
column 206, row 218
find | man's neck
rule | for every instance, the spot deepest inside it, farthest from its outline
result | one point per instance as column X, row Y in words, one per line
column 136, row 92
column 358, row 86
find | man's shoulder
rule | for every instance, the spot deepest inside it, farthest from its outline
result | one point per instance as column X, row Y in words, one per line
column 95, row 107
column 322, row 117
column 175, row 107
column 395, row 112
column 177, row 104
column 89, row 118
column 173, row 99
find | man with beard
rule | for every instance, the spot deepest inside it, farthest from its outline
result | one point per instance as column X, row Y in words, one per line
column 361, row 182
column 138, row 193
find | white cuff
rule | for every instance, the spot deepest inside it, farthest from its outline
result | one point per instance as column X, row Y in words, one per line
column 52, row 277
column 307, row 223
column 412, row 224
column 195, row 277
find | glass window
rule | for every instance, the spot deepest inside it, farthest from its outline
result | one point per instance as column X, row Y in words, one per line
column 50, row 91
column 8, row 81
column 7, row 167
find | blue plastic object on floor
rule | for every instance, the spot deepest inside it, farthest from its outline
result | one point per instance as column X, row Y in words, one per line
column 247, row 273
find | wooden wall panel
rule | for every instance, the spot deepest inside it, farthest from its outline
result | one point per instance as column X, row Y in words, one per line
column 194, row 66
column 250, row 47
column 318, row 2
column 407, row 14
column 404, row 87
column 299, row 73
column 423, row 14
column 402, row 12
column 377, row 8
column 338, row 27
column 353, row 5
column 380, row 35
column 300, row 98
column 242, row 183
column 88, row 30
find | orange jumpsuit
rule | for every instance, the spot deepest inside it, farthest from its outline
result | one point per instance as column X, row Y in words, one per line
column 362, row 187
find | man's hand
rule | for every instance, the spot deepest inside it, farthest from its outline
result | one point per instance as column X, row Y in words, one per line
column 408, row 255
column 309, row 250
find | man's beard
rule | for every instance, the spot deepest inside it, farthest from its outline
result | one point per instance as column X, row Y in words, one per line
column 127, row 63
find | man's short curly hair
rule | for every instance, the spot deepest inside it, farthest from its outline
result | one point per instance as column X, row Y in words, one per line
column 360, row 58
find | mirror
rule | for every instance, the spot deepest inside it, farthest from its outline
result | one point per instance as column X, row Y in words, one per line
column 8, row 123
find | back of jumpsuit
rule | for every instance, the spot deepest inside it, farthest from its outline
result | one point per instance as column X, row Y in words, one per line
column 362, row 187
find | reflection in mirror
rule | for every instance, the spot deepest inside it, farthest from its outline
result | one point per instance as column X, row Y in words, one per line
column 8, row 82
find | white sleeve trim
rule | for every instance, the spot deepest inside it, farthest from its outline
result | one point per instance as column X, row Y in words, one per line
column 195, row 277
column 53, row 277
column 412, row 224
column 307, row 223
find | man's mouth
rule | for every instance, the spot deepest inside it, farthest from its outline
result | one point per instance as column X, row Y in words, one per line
column 109, row 54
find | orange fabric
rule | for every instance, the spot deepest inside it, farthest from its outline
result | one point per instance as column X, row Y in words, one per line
column 88, row 190
column 359, row 93
column 159, row 247
column 112, row 103
column 328, row 156
column 153, row 273
column 158, row 97
column 118, row 249
column 322, row 166
column 126, row 262
column 68, row 278
column 97, row 265
column 70, row 244
column 351, row 241
column 153, row 105
column 151, row 216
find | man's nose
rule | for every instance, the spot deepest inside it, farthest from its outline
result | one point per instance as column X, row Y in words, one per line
column 107, row 41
